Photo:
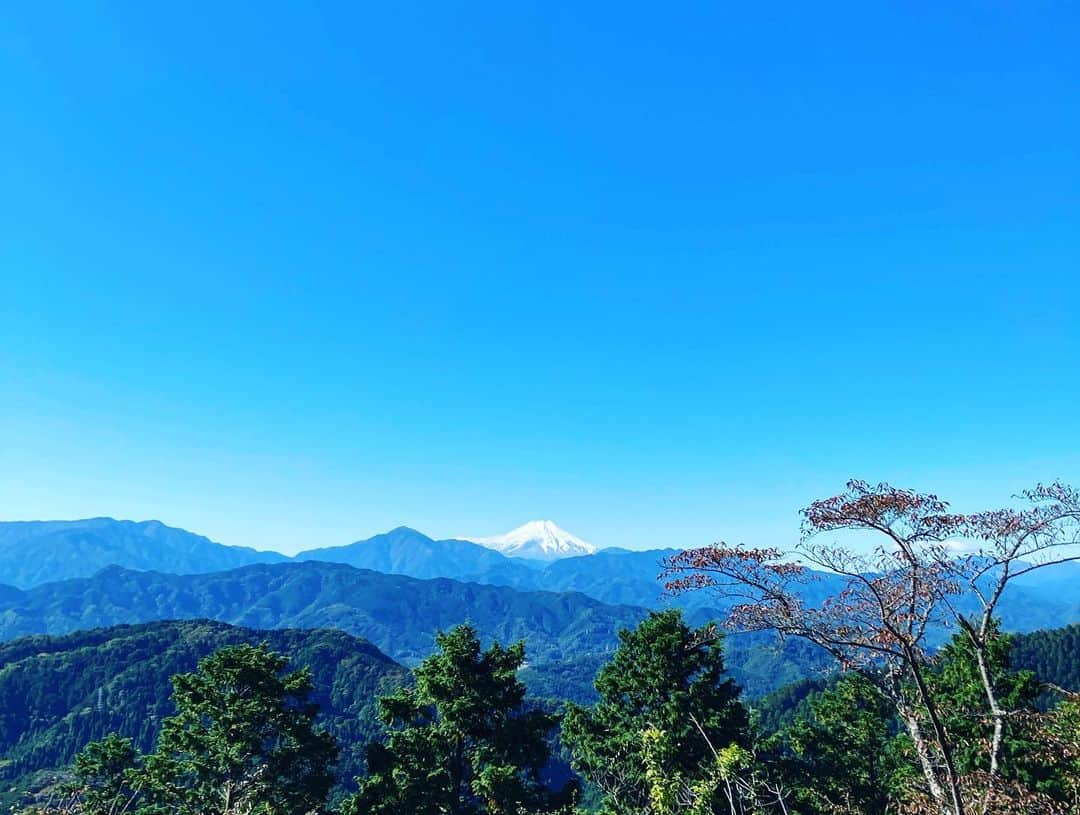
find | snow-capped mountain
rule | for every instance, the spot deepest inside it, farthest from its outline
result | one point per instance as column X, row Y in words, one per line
column 537, row 540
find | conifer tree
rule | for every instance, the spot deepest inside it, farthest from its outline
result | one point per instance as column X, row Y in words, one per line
column 242, row 741
column 841, row 743
column 957, row 684
column 665, row 706
column 101, row 783
column 461, row 740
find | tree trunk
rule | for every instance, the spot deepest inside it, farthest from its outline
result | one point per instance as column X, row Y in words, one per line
column 922, row 750
column 952, row 778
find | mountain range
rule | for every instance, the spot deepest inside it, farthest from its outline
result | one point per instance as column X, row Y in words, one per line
column 407, row 552
column 99, row 612
column 35, row 552
column 398, row 588
column 400, row 615
column 611, row 575
column 32, row 553
column 536, row 556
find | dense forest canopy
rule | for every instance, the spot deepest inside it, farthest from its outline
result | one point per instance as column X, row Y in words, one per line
column 59, row 693
column 669, row 730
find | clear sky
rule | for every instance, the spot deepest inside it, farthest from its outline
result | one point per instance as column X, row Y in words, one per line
column 661, row 273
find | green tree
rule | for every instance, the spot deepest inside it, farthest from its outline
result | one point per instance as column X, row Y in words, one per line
column 665, row 711
column 242, row 741
column 461, row 740
column 1059, row 730
column 840, row 741
column 959, row 687
column 1026, row 774
column 102, row 776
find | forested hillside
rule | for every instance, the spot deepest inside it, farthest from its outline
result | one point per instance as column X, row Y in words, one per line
column 58, row 693
column 668, row 732
column 1052, row 655
column 569, row 634
column 920, row 708
column 399, row 614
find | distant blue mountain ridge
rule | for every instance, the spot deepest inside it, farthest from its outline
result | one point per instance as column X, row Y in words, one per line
column 36, row 552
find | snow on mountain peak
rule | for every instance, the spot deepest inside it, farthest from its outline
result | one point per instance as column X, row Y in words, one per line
column 537, row 540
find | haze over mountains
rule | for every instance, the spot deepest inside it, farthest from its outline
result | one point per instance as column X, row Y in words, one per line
column 34, row 552
column 397, row 589
column 400, row 615
column 39, row 552
column 536, row 556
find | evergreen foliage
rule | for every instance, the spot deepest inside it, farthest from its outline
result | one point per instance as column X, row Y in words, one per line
column 1052, row 655
column 958, row 686
column 243, row 740
column 664, row 699
column 462, row 740
column 840, row 743
column 59, row 693
column 103, row 775
column 668, row 734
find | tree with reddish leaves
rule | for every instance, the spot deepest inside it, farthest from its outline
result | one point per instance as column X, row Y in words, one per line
column 919, row 568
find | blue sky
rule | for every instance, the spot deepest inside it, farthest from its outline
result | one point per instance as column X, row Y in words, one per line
column 291, row 277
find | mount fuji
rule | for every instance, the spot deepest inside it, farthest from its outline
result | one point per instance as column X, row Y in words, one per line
column 537, row 540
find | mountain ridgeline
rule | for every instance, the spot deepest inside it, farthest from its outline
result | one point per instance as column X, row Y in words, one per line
column 36, row 552
column 401, row 615
column 402, row 588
